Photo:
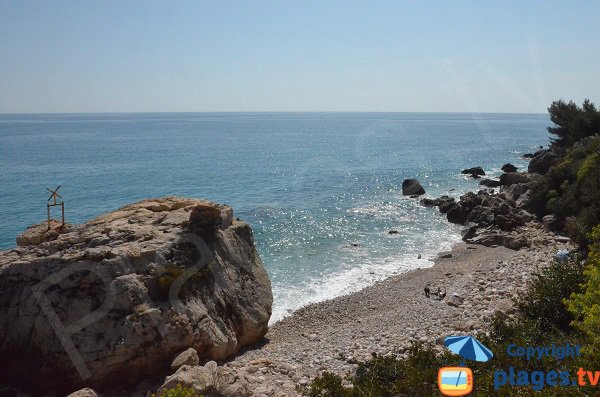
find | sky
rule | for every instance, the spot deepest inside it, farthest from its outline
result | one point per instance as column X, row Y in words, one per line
column 248, row 56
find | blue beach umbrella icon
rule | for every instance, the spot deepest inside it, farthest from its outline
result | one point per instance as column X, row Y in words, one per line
column 468, row 347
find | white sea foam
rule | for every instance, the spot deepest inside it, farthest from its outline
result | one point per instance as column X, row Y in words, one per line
column 354, row 277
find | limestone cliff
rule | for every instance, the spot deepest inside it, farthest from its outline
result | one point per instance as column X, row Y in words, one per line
column 115, row 299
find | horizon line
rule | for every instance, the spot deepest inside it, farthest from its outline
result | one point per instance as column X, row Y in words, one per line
column 259, row 111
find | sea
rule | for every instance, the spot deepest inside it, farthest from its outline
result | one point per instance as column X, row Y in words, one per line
column 321, row 191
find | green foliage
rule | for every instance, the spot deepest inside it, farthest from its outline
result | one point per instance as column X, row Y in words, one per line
column 388, row 376
column 178, row 391
column 571, row 190
column 572, row 122
column 543, row 302
column 328, row 385
column 585, row 305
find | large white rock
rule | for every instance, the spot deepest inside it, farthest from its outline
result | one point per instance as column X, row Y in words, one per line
column 113, row 300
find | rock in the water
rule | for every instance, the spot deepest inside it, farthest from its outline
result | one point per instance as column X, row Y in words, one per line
column 186, row 357
column 528, row 155
column 111, row 301
column 457, row 214
column 427, row 202
column 87, row 392
column 446, row 206
column 542, row 161
column 474, row 171
column 412, row 187
column 508, row 167
column 489, row 183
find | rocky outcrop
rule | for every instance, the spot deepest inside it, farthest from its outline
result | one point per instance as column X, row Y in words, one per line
column 492, row 219
column 412, row 187
column 115, row 299
column 541, row 162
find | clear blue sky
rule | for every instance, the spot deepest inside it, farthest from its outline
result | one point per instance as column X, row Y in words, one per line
column 121, row 56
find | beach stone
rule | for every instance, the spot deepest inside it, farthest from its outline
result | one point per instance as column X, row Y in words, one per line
column 412, row 187
column 186, row 357
column 454, row 300
column 209, row 379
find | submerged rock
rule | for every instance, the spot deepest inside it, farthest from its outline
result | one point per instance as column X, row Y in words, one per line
column 110, row 302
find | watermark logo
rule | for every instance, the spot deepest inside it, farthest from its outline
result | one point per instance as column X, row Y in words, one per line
column 455, row 381
column 458, row 381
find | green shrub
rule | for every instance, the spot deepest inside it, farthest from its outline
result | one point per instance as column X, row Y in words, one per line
column 585, row 305
column 544, row 301
column 388, row 376
column 178, row 391
column 571, row 190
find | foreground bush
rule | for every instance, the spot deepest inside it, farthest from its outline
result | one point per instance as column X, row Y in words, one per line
column 585, row 306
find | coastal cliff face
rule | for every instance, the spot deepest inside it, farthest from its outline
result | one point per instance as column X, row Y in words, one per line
column 116, row 299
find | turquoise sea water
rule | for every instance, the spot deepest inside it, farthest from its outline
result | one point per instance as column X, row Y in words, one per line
column 309, row 184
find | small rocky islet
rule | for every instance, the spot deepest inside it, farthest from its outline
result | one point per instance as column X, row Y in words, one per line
column 189, row 299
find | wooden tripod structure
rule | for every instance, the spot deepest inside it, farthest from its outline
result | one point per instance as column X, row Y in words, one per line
column 54, row 195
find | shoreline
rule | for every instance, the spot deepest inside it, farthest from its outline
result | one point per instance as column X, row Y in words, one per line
column 384, row 318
